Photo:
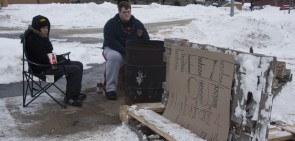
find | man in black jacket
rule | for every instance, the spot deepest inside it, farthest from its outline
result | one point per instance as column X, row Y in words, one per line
column 38, row 46
column 117, row 31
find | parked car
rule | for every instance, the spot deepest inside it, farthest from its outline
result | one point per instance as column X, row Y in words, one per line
column 215, row 4
column 201, row 2
column 246, row 6
column 74, row 1
column 285, row 7
column 258, row 7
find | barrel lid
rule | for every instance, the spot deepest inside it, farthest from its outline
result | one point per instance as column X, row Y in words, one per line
column 145, row 42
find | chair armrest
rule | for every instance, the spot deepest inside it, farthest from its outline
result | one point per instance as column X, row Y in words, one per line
column 43, row 65
column 61, row 62
column 36, row 64
column 66, row 55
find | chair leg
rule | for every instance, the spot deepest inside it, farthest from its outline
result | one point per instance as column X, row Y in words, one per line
column 64, row 93
column 26, row 87
column 30, row 87
column 24, row 93
column 62, row 105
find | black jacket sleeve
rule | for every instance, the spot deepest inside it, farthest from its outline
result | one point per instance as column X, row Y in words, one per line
column 38, row 48
column 110, row 38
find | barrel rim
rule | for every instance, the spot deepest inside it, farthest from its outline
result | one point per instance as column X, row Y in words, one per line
column 146, row 42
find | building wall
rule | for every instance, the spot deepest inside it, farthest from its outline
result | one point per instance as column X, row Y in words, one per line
column 268, row 2
column 3, row 3
column 36, row 1
column 167, row 2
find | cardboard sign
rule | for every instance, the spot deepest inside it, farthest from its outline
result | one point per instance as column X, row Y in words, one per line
column 199, row 91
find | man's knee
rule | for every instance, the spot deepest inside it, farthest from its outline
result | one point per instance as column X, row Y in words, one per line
column 80, row 64
column 117, row 57
column 73, row 70
column 77, row 69
column 112, row 55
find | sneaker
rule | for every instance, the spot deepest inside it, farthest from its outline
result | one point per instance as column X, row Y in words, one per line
column 73, row 102
column 111, row 95
column 82, row 96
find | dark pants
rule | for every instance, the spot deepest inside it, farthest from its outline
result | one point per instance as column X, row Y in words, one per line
column 74, row 73
column 73, row 70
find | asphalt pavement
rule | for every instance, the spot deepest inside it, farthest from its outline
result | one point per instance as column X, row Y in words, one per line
column 48, row 120
column 90, row 76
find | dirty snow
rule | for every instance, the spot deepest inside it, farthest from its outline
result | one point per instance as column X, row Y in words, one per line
column 268, row 31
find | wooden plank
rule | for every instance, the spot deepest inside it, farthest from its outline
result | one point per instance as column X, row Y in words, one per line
column 277, row 134
column 159, row 124
column 151, row 126
column 123, row 113
column 156, row 107
column 280, row 69
column 290, row 129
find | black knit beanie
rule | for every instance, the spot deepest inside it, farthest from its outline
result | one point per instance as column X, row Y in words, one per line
column 39, row 22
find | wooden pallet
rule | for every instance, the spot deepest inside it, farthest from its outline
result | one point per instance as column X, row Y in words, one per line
column 148, row 115
column 144, row 114
column 281, row 133
column 125, row 113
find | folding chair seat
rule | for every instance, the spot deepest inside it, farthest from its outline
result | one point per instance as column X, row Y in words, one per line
column 36, row 84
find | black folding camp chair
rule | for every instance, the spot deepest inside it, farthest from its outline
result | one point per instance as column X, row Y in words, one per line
column 36, row 88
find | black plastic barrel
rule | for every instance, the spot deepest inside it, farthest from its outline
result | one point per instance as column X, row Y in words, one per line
column 144, row 71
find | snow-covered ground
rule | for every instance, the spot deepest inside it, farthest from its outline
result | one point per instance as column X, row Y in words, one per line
column 268, row 31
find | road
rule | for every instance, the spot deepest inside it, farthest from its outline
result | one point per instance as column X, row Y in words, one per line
column 89, row 81
column 49, row 120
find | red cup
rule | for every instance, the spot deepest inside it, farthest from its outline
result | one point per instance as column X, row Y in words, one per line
column 52, row 60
